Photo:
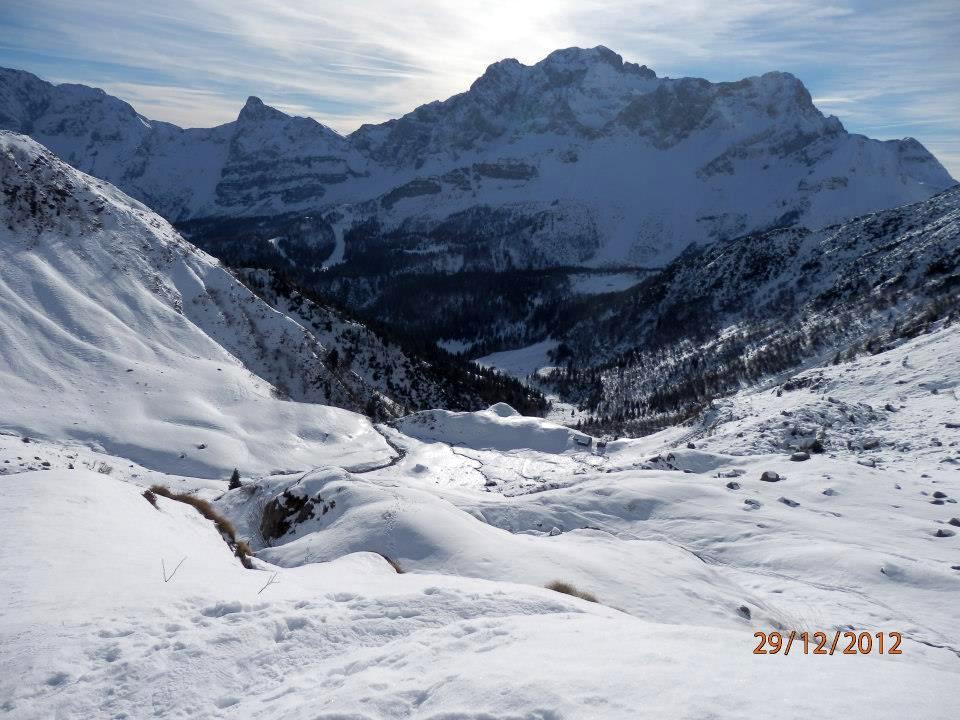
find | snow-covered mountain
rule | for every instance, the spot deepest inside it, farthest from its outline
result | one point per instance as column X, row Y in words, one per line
column 744, row 310
column 100, row 296
column 579, row 159
column 619, row 165
column 264, row 157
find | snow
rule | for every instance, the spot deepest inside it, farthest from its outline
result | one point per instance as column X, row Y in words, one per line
column 340, row 227
column 598, row 283
column 339, row 632
column 468, row 628
column 121, row 336
column 496, row 428
column 520, row 362
column 275, row 244
column 114, row 607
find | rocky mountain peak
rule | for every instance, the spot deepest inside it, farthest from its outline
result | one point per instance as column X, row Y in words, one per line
column 568, row 66
column 580, row 128
column 575, row 58
column 254, row 110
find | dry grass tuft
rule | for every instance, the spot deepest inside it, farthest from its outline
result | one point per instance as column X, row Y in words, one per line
column 393, row 563
column 568, row 589
column 242, row 550
column 151, row 497
column 240, row 547
column 203, row 507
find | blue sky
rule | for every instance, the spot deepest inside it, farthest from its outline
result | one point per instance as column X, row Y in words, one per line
column 886, row 69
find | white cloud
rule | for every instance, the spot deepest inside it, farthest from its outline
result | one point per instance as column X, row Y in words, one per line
column 195, row 108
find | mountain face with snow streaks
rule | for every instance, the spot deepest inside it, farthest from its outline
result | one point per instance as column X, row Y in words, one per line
column 582, row 158
column 744, row 311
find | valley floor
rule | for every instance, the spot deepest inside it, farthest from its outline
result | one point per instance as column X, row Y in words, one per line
column 118, row 608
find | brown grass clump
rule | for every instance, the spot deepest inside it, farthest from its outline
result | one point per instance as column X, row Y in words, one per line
column 393, row 563
column 240, row 547
column 151, row 497
column 568, row 589
column 203, row 507
column 242, row 550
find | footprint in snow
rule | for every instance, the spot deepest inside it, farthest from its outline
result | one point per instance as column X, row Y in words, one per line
column 116, row 633
column 751, row 504
column 788, row 502
column 57, row 679
column 109, row 653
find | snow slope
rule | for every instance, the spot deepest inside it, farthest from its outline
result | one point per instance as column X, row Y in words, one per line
column 117, row 332
column 580, row 159
column 687, row 550
column 350, row 638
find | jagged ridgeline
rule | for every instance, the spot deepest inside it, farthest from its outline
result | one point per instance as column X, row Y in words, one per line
column 581, row 158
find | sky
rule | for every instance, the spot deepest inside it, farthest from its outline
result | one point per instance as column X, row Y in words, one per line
column 888, row 69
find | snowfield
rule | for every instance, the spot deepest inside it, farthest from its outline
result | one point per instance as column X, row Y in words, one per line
column 679, row 546
column 522, row 361
column 401, row 570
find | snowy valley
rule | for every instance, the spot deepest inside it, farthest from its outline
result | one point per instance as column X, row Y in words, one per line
column 687, row 551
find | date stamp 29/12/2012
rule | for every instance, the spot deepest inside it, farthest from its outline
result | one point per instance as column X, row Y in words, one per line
column 821, row 643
